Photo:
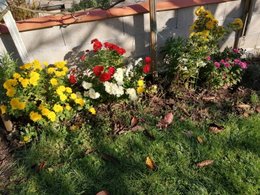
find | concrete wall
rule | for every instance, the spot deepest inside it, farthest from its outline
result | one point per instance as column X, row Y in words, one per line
column 130, row 32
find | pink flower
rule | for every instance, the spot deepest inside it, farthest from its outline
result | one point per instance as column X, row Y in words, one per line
column 217, row 64
column 237, row 61
column 226, row 64
column 222, row 61
column 208, row 58
column 243, row 65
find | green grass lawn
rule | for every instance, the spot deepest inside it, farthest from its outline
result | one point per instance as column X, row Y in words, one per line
column 90, row 159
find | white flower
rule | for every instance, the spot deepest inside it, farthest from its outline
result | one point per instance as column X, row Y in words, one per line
column 119, row 76
column 92, row 94
column 86, row 85
column 132, row 94
column 114, row 89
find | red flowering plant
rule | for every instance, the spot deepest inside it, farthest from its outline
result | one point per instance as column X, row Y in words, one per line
column 104, row 76
column 225, row 68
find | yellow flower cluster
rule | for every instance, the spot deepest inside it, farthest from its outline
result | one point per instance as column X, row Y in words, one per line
column 237, row 24
column 204, row 25
column 35, row 116
column 59, row 69
column 92, row 110
column 140, row 86
column 17, row 104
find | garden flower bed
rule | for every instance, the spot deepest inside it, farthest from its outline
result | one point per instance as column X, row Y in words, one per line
column 105, row 123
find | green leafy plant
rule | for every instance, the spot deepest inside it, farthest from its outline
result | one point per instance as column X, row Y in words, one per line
column 224, row 68
column 39, row 92
column 192, row 54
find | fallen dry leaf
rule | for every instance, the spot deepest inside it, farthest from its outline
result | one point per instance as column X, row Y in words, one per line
column 134, row 121
column 166, row 121
column 214, row 128
column 137, row 128
column 257, row 109
column 103, row 192
column 200, row 139
column 150, row 163
column 208, row 98
column 204, row 163
column 244, row 106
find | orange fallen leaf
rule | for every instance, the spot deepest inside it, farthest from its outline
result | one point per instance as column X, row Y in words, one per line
column 150, row 163
column 103, row 192
column 166, row 121
column 134, row 121
column 204, row 163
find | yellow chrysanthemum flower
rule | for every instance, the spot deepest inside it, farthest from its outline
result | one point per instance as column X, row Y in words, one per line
column 60, row 64
column 50, row 70
column 60, row 90
column 11, row 92
column 26, row 66
column 68, row 90
column 73, row 96
column 68, row 107
column 52, row 116
column 63, row 97
column 57, row 108
column 45, row 111
column 54, row 82
column 79, row 101
column 16, row 75
column 24, row 82
column 37, row 65
column 92, row 110
column 58, row 73
column 200, row 10
column 21, row 106
column 140, row 90
column 140, row 83
column 26, row 138
column 10, row 83
column 65, row 69
column 2, row 109
column 35, row 116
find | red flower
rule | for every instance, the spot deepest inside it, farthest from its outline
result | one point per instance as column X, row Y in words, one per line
column 120, row 51
column 111, row 70
column 72, row 79
column 83, row 57
column 146, row 68
column 108, row 45
column 97, row 70
column 105, row 77
column 94, row 40
column 97, row 45
column 147, row 60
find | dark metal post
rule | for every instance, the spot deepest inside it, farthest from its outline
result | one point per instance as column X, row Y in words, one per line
column 153, row 34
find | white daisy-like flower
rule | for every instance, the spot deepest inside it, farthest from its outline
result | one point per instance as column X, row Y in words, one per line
column 132, row 94
column 119, row 76
column 86, row 85
column 93, row 94
column 114, row 89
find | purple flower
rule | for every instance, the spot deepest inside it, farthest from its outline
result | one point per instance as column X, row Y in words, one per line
column 243, row 65
column 217, row 64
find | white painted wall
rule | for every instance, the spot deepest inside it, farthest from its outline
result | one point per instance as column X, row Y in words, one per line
column 131, row 32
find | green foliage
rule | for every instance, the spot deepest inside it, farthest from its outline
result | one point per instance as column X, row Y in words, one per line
column 254, row 98
column 22, row 14
column 84, row 4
